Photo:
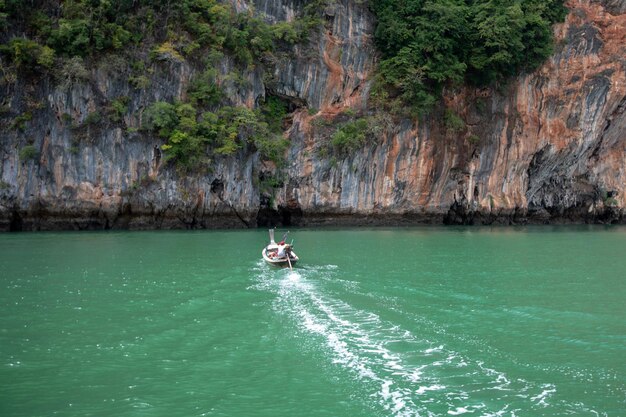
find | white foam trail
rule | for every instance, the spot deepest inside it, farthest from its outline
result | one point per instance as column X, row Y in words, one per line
column 459, row 411
column 541, row 399
column 423, row 389
column 346, row 333
column 358, row 341
column 294, row 276
column 403, row 383
column 433, row 350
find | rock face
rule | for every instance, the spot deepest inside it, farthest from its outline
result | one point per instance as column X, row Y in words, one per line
column 548, row 147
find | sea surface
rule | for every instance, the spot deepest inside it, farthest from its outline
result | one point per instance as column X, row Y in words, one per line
column 372, row 322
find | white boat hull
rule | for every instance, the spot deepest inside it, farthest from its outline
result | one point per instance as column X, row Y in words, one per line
column 279, row 262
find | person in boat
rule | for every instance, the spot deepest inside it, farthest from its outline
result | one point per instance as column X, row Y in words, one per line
column 283, row 250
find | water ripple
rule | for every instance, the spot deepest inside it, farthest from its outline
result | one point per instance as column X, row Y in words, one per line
column 423, row 378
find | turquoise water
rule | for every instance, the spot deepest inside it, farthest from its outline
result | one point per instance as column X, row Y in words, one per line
column 376, row 322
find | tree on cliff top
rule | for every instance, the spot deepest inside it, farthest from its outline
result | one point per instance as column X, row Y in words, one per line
column 429, row 44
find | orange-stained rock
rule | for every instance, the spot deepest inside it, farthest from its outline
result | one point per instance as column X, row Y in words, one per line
column 552, row 144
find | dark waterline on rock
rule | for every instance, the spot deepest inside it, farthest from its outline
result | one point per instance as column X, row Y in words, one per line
column 134, row 220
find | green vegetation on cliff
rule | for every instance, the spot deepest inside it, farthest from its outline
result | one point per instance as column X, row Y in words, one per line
column 86, row 28
column 427, row 45
column 63, row 40
column 193, row 136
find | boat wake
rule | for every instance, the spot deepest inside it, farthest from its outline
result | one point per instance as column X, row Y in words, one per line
column 397, row 372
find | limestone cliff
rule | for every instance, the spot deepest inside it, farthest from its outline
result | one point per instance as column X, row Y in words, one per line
column 548, row 147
